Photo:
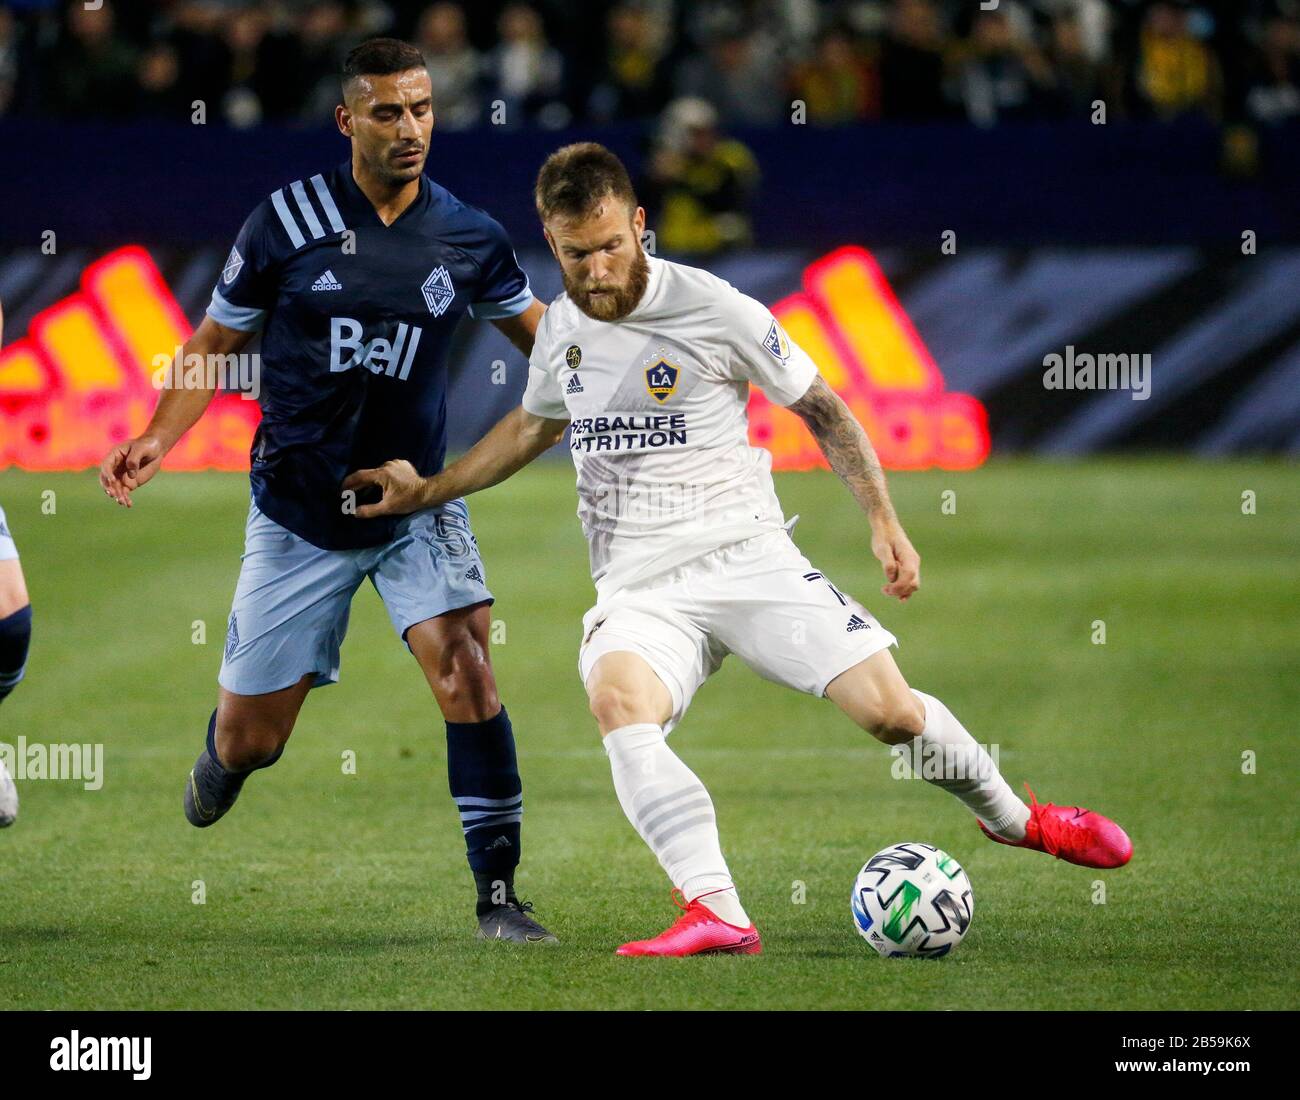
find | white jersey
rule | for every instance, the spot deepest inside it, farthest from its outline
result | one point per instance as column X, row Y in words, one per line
column 659, row 433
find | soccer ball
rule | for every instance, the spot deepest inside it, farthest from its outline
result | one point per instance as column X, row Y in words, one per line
column 8, row 797
column 913, row 900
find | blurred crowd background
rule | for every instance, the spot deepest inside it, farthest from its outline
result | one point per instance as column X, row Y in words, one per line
column 556, row 63
column 963, row 147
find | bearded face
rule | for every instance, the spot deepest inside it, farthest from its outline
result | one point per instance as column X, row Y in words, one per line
column 607, row 299
column 603, row 265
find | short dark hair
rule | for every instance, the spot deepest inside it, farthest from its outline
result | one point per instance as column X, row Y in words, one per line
column 575, row 179
column 380, row 57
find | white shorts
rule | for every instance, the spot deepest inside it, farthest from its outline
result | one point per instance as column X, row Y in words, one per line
column 759, row 599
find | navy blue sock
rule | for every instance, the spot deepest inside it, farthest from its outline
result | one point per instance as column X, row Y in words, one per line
column 15, row 636
column 484, row 779
column 212, row 750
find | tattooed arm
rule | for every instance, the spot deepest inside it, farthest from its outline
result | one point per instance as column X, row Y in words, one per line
column 845, row 444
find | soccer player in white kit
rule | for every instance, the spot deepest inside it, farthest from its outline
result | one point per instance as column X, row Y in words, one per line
column 650, row 363
column 15, row 636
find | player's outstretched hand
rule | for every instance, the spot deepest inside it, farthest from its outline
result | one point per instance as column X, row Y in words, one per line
column 128, row 466
column 400, row 486
column 901, row 562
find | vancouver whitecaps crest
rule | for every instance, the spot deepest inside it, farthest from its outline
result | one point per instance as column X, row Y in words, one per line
column 438, row 291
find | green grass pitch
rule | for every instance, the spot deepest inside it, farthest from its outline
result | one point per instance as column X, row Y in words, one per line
column 328, row 890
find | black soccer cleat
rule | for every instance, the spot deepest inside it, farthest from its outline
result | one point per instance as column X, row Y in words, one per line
column 210, row 791
column 511, row 922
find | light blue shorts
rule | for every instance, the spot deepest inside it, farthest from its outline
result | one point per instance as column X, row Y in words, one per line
column 8, row 549
column 290, row 611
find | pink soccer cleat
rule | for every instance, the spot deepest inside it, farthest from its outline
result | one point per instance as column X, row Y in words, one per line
column 698, row 931
column 1073, row 834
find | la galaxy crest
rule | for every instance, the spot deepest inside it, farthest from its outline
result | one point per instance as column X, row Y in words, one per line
column 661, row 379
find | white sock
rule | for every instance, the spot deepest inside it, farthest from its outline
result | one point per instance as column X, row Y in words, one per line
column 673, row 813
column 968, row 772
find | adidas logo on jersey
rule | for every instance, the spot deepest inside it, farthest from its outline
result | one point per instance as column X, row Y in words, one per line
column 574, row 386
column 327, row 281
column 856, row 623
column 473, row 574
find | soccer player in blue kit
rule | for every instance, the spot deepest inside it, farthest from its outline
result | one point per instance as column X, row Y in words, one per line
column 357, row 278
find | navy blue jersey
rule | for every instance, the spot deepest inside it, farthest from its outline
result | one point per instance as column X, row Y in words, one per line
column 357, row 319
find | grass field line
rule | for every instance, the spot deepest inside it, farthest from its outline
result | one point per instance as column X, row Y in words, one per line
column 351, row 891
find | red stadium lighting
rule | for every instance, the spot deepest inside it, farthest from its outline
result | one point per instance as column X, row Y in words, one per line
column 82, row 379
column 851, row 324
